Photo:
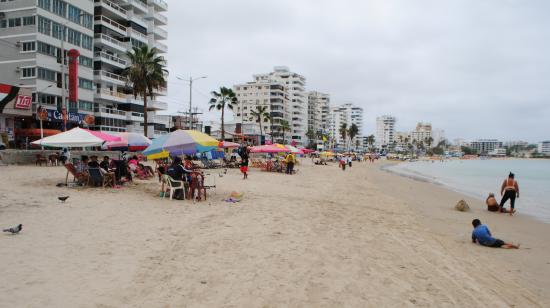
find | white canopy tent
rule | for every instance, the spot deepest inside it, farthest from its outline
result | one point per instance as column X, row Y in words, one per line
column 76, row 137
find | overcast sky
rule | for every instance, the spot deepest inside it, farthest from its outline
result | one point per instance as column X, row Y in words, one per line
column 475, row 68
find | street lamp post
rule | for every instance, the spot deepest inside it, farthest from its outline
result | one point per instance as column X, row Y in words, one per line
column 190, row 80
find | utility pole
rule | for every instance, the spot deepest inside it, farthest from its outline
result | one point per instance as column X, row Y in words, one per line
column 190, row 80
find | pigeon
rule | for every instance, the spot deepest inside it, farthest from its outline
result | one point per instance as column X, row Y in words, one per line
column 63, row 199
column 14, row 230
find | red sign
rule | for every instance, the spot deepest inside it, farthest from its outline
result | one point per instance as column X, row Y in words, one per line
column 23, row 102
column 73, row 74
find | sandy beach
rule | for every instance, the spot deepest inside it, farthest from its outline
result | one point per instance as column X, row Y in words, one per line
column 320, row 238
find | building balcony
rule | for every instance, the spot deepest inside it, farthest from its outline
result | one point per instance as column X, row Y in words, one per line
column 160, row 34
column 159, row 5
column 157, row 105
column 112, row 7
column 157, row 18
column 109, row 23
column 110, row 59
column 162, row 48
column 108, row 95
column 135, row 117
column 138, row 5
column 111, row 42
column 138, row 35
column 109, row 77
column 110, row 113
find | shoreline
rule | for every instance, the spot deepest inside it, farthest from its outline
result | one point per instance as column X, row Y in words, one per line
column 320, row 238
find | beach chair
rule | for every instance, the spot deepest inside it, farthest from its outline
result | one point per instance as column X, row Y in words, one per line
column 78, row 177
column 41, row 159
column 95, row 178
column 53, row 160
column 197, row 185
column 172, row 185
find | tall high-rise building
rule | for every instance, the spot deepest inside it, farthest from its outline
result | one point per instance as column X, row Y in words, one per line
column 318, row 112
column 35, row 35
column 348, row 114
column 385, row 131
column 297, row 100
column 119, row 26
column 264, row 92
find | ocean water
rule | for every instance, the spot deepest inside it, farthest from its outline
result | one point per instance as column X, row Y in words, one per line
column 477, row 178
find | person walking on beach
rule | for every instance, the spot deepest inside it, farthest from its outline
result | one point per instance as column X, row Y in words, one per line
column 483, row 236
column 343, row 163
column 290, row 163
column 244, row 166
column 509, row 190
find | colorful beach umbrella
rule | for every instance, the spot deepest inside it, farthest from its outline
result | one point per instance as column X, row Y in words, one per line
column 76, row 137
column 228, row 144
column 269, row 148
column 129, row 142
column 155, row 150
column 291, row 148
column 181, row 142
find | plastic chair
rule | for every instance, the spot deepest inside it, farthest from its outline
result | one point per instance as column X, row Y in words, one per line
column 197, row 184
column 173, row 185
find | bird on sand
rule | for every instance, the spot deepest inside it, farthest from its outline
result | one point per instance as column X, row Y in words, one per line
column 63, row 199
column 14, row 230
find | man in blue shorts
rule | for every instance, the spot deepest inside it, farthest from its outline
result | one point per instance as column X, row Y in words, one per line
column 483, row 236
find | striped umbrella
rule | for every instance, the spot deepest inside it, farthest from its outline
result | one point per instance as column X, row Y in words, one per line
column 129, row 142
column 181, row 142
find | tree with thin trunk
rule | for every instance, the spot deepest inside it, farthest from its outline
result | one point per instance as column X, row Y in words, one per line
column 344, row 132
column 370, row 141
column 224, row 98
column 260, row 115
column 284, row 127
column 145, row 74
column 353, row 132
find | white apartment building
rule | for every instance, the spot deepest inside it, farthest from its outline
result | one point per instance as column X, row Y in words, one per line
column 271, row 93
column 385, row 131
column 348, row 114
column 297, row 100
column 318, row 113
column 544, row 147
column 422, row 131
column 119, row 26
column 35, row 34
column 484, row 146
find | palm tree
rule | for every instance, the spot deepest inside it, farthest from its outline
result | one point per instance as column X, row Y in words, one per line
column 224, row 98
column 428, row 141
column 284, row 127
column 145, row 74
column 344, row 132
column 352, row 132
column 370, row 141
column 260, row 115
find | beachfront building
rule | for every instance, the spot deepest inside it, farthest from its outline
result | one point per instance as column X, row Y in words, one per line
column 318, row 115
column 385, row 131
column 348, row 114
column 120, row 25
column 438, row 135
column 34, row 35
column 297, row 105
column 544, row 147
column 422, row 132
column 269, row 92
column 484, row 146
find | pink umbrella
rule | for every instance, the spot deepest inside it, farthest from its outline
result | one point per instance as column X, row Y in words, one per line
column 228, row 144
column 270, row 148
column 102, row 135
column 307, row 151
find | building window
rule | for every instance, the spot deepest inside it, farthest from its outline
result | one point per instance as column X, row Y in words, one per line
column 85, row 83
column 74, row 14
column 3, row 23
column 85, row 61
column 58, row 31
column 47, row 99
column 73, row 37
column 14, row 22
column 87, row 42
column 46, row 74
column 85, row 105
column 46, row 49
column 45, row 4
column 88, row 21
column 28, row 46
column 44, row 25
column 59, row 8
column 29, row 20
column 28, row 72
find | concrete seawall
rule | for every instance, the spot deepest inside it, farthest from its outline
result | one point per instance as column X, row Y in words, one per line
column 25, row 157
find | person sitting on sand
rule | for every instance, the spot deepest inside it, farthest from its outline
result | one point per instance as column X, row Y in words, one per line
column 483, row 236
column 492, row 204
column 509, row 190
